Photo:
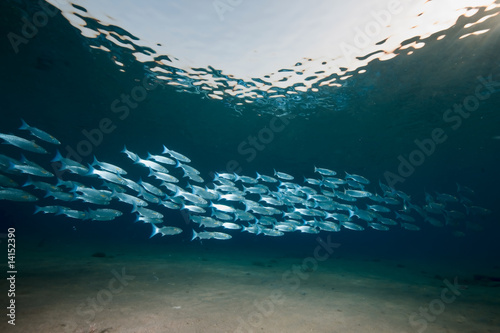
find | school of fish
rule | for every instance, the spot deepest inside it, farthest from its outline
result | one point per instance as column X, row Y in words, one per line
column 261, row 205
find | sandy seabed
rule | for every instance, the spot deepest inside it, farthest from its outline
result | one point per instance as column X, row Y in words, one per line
column 70, row 287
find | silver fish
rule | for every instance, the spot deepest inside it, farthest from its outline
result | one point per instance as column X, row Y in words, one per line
column 7, row 182
column 161, row 159
column 131, row 155
column 176, row 155
column 22, row 143
column 109, row 167
column 325, row 172
column 30, row 169
column 352, row 226
column 165, row 231
column 104, row 214
column 282, row 175
column 357, row 178
column 39, row 133
column 13, row 194
column 267, row 179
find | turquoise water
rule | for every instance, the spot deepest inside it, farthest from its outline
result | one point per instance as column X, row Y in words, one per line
column 377, row 124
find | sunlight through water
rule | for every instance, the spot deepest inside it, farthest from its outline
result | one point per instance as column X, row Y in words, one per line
column 275, row 55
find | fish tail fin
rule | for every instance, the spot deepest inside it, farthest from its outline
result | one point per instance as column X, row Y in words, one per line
column 165, row 150
column 59, row 211
column 38, row 209
column 11, row 166
column 58, row 156
column 24, row 125
column 91, row 171
column 195, row 235
column 155, row 230
column 23, row 159
column 28, row 182
column 134, row 207
column 95, row 162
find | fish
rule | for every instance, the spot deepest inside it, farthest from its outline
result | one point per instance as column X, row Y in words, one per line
column 176, row 155
column 103, row 214
column 163, row 176
column 246, row 179
column 271, row 206
column 46, row 209
column 325, row 172
column 187, row 168
column 222, row 208
column 378, row 208
column 194, row 177
column 230, row 225
column 282, row 175
column 357, row 193
column 271, row 232
column 22, row 143
column 148, row 196
column 31, row 170
column 409, row 226
column 352, row 226
column 190, row 197
column 150, row 220
column 130, row 199
column 378, row 226
column 13, row 194
column 152, row 165
column 73, row 213
column 7, row 182
column 151, row 188
column 106, row 175
column 210, row 235
column 146, row 212
column 161, row 159
column 165, row 231
column 39, row 133
column 170, row 205
column 224, row 175
column 267, row 179
column 109, row 167
column 70, row 165
column 357, row 178
column 307, row 229
column 60, row 195
column 133, row 156
column 328, row 226
column 194, row 209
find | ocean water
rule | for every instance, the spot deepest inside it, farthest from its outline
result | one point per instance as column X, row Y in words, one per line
column 401, row 93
